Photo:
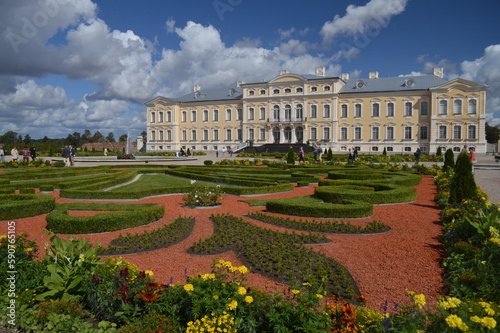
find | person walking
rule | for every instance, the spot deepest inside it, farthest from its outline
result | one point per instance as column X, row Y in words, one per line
column 417, row 155
column 66, row 154
column 71, row 156
column 26, row 155
column 350, row 156
column 2, row 154
column 33, row 153
column 472, row 157
column 14, row 153
column 355, row 154
column 301, row 155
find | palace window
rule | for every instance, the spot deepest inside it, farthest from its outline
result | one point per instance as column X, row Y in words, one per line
column 314, row 111
column 408, row 109
column 153, row 117
column 343, row 133
column 216, row 115
column 299, row 90
column 184, row 116
column 169, row 117
column 390, row 109
column 251, row 134
column 193, row 135
column 357, row 133
column 472, row 132
column 472, row 106
column 276, row 91
column 357, row 111
column 424, row 133
column 160, row 118
column 390, row 133
column 443, row 107
column 216, row 135
column 276, row 112
column 314, row 89
column 442, row 132
column 262, row 113
column 228, row 114
column 239, row 134
column 298, row 112
column 205, row 135
column 205, row 115
column 314, row 133
column 375, row 110
column 424, row 108
column 169, row 135
column 262, row 134
column 326, row 111
column 184, row 135
column 408, row 134
column 326, row 133
column 153, row 135
column 327, row 88
column 262, row 92
column 375, row 133
column 229, row 135
column 161, row 135
column 457, row 106
column 288, row 112
column 251, row 93
column 457, row 132
column 239, row 114
column 288, row 90
column 343, row 111
column 193, row 116
column 251, row 114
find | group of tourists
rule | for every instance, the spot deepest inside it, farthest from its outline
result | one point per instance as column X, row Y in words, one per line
column 27, row 154
column 68, row 154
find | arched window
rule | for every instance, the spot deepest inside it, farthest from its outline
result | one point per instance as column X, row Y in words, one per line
column 288, row 112
column 443, row 107
column 276, row 112
column 298, row 112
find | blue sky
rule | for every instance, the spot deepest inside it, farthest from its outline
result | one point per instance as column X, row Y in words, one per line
column 71, row 65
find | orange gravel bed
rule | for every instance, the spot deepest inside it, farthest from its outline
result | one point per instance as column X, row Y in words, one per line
column 385, row 266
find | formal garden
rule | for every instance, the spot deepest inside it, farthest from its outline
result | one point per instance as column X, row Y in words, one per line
column 246, row 245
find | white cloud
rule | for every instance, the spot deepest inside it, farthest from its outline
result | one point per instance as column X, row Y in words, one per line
column 376, row 14
column 170, row 25
column 486, row 69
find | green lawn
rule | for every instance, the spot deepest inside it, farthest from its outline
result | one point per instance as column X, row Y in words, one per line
column 153, row 181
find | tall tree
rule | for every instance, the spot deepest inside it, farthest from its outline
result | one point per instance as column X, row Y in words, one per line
column 110, row 137
column 463, row 185
column 8, row 138
column 123, row 138
column 492, row 133
column 98, row 137
column 87, row 136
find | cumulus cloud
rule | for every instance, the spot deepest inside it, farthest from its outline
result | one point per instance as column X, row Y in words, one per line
column 486, row 69
column 375, row 14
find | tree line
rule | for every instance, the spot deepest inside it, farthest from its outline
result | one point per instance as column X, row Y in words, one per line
column 12, row 139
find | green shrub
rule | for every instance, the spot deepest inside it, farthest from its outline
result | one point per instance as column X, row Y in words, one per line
column 208, row 162
column 463, row 185
column 290, row 158
column 59, row 164
column 379, row 194
column 15, row 206
column 137, row 214
column 449, row 160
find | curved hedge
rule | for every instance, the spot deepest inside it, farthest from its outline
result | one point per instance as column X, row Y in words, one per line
column 380, row 193
column 136, row 215
column 15, row 206
column 314, row 207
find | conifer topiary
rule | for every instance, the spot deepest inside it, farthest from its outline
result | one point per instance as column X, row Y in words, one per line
column 463, row 185
column 384, row 152
column 439, row 152
column 330, row 154
column 290, row 158
column 449, row 160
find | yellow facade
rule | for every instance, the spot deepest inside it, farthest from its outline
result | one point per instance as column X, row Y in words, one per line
column 398, row 114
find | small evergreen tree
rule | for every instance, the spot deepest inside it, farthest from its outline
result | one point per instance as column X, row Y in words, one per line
column 439, row 152
column 188, row 152
column 85, row 149
column 384, row 153
column 462, row 184
column 93, row 149
column 290, row 158
column 449, row 160
column 330, row 154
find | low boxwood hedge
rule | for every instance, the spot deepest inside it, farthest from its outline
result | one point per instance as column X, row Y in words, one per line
column 380, row 193
column 135, row 215
column 15, row 206
column 315, row 207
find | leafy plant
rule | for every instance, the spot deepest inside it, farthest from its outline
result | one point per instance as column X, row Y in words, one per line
column 203, row 195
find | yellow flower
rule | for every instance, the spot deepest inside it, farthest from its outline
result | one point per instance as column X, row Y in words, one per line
column 215, row 297
column 149, row 273
column 456, row 321
column 188, row 287
column 249, row 299
column 29, row 249
column 319, row 296
column 243, row 269
column 295, row 291
column 232, row 305
column 242, row 290
column 208, row 277
column 411, row 293
column 488, row 322
column 419, row 300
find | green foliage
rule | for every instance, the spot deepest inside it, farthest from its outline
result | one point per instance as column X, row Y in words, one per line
column 59, row 164
column 330, row 154
column 67, row 263
column 290, row 158
column 188, row 152
column 14, row 206
column 208, row 162
column 463, row 185
column 135, row 215
column 439, row 152
column 449, row 160
column 202, row 195
column 384, row 153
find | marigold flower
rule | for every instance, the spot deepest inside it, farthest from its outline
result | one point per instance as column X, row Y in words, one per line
column 243, row 269
column 488, row 322
column 242, row 290
column 249, row 299
column 149, row 297
column 295, row 291
column 232, row 305
column 419, row 300
column 188, row 287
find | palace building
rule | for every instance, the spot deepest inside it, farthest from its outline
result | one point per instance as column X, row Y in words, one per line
column 399, row 114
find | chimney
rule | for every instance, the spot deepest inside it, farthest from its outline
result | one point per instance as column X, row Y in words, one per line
column 239, row 83
column 196, row 87
column 373, row 75
column 439, row 71
column 283, row 72
column 344, row 76
column 320, row 71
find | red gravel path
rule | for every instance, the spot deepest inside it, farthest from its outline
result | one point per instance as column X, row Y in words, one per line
column 385, row 266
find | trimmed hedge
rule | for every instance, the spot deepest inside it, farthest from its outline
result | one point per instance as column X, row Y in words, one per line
column 380, row 193
column 136, row 215
column 15, row 206
column 341, row 208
